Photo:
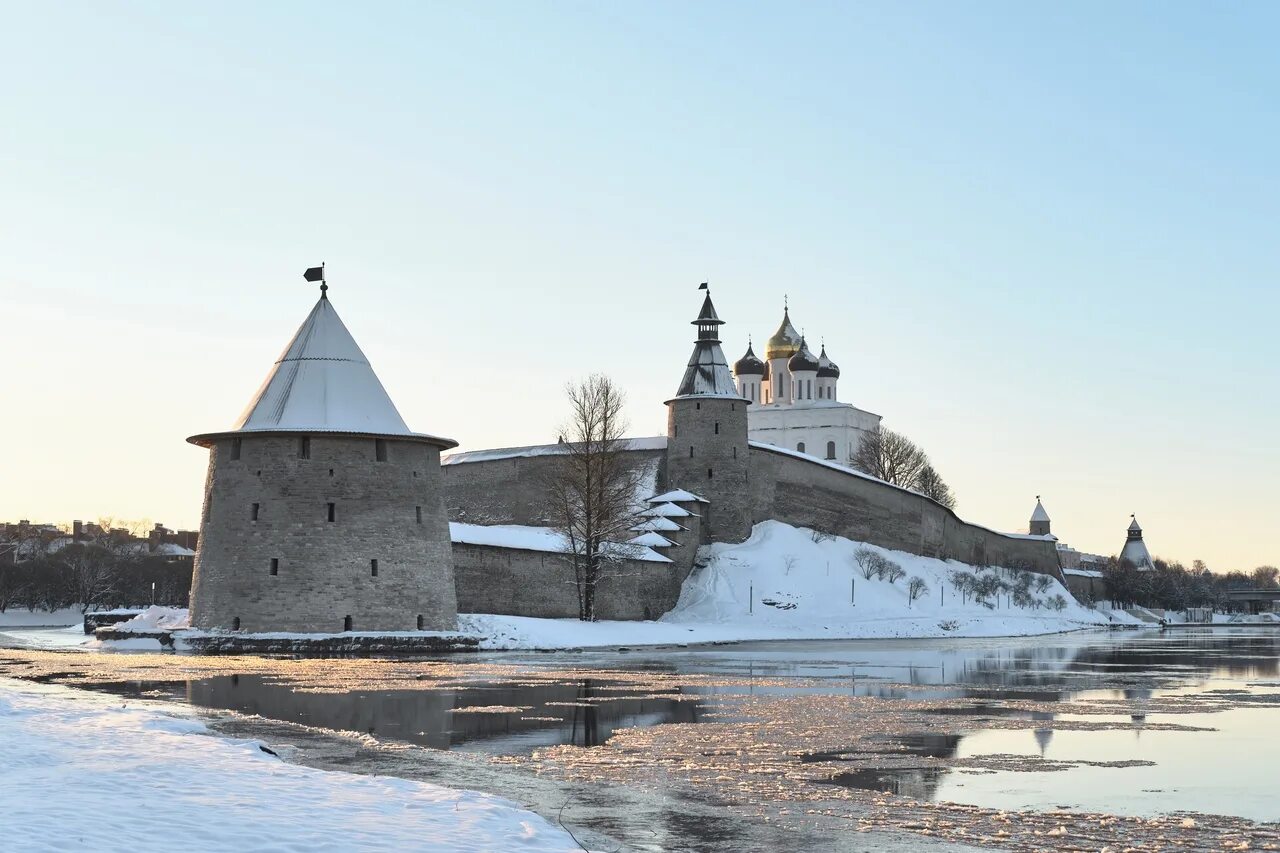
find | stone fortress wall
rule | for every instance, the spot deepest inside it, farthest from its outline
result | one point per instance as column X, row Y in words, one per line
column 808, row 492
column 781, row 485
column 509, row 487
column 265, row 502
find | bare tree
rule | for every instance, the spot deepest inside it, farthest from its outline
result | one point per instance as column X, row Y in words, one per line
column 916, row 587
column 893, row 572
column 891, row 456
column 592, row 490
column 896, row 459
column 867, row 561
column 930, row 484
column 89, row 574
column 1264, row 577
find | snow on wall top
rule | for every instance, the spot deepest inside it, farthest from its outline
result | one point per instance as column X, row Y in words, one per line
column 657, row 442
column 1083, row 573
column 545, row 539
column 322, row 382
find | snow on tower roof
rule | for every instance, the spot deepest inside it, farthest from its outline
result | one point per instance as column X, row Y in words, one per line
column 651, row 540
column 1134, row 527
column 676, row 496
column 667, row 510
column 1038, row 514
column 322, row 382
column 664, row 525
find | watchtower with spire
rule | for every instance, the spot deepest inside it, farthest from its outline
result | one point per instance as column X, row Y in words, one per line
column 1039, row 520
column 323, row 512
column 707, row 435
column 1135, row 549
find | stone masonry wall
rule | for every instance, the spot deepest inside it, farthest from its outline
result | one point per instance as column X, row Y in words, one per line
column 810, row 494
column 324, row 571
column 707, row 455
column 510, row 490
column 536, row 583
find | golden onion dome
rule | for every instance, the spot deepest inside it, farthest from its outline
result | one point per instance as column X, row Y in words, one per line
column 785, row 342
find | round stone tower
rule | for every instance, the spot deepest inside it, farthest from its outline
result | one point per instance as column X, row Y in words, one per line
column 323, row 512
column 707, row 436
column 1135, row 549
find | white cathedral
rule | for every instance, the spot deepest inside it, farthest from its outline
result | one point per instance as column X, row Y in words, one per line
column 794, row 402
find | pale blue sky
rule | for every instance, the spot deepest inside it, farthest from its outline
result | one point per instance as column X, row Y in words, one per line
column 1041, row 241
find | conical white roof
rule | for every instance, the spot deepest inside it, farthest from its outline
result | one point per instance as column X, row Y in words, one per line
column 322, row 382
column 1038, row 514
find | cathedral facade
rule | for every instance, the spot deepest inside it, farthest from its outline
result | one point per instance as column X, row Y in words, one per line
column 793, row 400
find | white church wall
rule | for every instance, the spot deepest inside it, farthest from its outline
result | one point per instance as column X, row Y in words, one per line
column 812, row 425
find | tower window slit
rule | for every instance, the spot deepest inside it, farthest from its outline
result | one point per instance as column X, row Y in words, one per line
column 421, row 622
column 235, row 449
column 332, row 511
column 380, row 449
column 304, row 447
column 373, row 568
column 417, row 511
column 347, row 623
column 691, row 451
column 275, row 565
column 709, row 472
column 717, row 427
column 253, row 513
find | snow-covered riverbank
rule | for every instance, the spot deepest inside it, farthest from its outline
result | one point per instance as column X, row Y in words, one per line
column 786, row 583
column 86, row 771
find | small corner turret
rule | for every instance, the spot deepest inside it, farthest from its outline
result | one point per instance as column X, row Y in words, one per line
column 1039, row 520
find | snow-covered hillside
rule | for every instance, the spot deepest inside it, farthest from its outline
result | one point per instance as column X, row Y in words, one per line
column 791, row 579
column 784, row 583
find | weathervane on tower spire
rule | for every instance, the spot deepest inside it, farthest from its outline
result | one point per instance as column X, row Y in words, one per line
column 317, row 274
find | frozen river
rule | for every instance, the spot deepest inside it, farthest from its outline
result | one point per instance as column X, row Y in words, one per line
column 1130, row 723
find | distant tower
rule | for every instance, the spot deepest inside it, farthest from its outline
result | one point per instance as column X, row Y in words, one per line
column 322, row 510
column 804, row 374
column 1039, row 520
column 778, row 350
column 1135, row 550
column 750, row 372
column 707, row 435
column 828, row 375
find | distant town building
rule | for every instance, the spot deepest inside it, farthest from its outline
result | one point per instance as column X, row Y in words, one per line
column 794, row 402
column 25, row 541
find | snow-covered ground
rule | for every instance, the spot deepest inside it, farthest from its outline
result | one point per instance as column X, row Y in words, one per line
column 85, row 771
column 20, row 617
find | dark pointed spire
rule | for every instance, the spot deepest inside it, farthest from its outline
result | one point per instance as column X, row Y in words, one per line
column 707, row 374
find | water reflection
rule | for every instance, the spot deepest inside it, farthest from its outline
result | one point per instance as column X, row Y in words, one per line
column 577, row 712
